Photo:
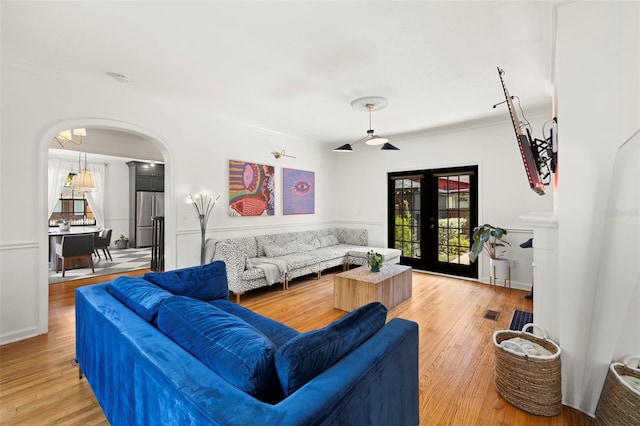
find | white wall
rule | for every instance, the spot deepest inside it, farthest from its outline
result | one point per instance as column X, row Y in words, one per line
column 116, row 204
column 504, row 193
column 598, row 87
column 196, row 148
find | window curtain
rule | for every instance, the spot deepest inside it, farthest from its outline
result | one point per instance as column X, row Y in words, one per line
column 96, row 198
column 58, row 172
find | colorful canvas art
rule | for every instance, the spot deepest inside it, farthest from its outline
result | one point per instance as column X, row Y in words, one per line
column 250, row 189
column 298, row 191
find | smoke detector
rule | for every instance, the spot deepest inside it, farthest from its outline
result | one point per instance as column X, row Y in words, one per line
column 122, row 78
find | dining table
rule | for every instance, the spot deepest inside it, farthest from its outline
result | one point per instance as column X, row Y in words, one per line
column 55, row 237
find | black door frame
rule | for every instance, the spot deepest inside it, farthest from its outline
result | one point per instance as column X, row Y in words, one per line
column 428, row 240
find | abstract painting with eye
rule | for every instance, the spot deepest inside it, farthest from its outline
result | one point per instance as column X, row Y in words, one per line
column 298, row 191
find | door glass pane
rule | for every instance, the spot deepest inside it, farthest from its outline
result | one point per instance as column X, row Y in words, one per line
column 407, row 216
column 454, row 227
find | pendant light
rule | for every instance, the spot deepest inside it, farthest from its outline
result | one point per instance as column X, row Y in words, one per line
column 66, row 136
column 83, row 181
column 369, row 103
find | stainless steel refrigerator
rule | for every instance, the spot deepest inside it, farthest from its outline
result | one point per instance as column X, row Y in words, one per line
column 148, row 205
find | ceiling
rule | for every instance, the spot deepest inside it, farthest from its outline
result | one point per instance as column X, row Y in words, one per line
column 293, row 67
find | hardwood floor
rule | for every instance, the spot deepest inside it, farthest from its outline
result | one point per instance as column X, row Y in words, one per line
column 39, row 385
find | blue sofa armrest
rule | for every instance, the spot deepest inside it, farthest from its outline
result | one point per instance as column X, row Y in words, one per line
column 376, row 384
column 140, row 377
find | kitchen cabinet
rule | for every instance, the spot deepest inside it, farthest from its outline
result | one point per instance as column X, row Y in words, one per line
column 146, row 199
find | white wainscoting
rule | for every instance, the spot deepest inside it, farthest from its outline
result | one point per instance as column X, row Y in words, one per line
column 22, row 314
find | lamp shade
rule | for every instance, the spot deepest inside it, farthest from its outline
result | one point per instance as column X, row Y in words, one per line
column 388, row 147
column 377, row 140
column 344, row 148
column 80, row 132
column 83, row 182
column 65, row 134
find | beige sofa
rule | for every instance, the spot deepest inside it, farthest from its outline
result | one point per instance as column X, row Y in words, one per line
column 263, row 260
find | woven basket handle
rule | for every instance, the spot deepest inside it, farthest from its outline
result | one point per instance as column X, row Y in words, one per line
column 633, row 365
column 535, row 326
column 514, row 347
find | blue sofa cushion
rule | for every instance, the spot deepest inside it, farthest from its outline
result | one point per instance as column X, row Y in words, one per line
column 309, row 354
column 225, row 343
column 139, row 295
column 205, row 282
column 277, row 332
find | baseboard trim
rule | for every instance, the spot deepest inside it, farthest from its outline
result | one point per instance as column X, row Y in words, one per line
column 514, row 285
column 18, row 335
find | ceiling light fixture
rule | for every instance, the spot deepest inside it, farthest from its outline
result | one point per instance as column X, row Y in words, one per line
column 388, row 147
column 66, row 136
column 83, row 181
column 281, row 154
column 369, row 103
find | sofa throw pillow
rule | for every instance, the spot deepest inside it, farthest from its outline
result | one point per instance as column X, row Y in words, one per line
column 225, row 343
column 275, row 251
column 275, row 331
column 309, row 354
column 305, row 247
column 206, row 282
column 139, row 295
column 328, row 240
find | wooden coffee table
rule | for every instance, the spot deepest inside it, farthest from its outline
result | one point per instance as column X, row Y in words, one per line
column 359, row 286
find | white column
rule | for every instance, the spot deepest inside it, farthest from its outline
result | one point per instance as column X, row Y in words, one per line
column 545, row 271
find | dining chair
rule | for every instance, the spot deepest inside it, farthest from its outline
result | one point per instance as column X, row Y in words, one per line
column 102, row 243
column 74, row 247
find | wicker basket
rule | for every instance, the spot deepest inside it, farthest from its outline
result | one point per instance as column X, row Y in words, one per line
column 619, row 404
column 530, row 383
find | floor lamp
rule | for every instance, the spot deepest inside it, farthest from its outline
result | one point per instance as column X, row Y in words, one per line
column 203, row 204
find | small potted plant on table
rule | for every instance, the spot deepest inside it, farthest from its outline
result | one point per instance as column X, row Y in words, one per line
column 374, row 260
column 489, row 238
column 122, row 242
column 63, row 224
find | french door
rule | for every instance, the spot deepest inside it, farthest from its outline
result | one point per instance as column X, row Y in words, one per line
column 432, row 214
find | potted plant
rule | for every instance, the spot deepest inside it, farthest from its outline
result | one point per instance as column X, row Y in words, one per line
column 122, row 242
column 488, row 238
column 374, row 260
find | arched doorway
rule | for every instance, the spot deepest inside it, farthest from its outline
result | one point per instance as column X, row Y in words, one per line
column 106, row 125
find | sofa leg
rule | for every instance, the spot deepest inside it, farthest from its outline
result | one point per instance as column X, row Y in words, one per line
column 75, row 363
column 319, row 274
column 238, row 294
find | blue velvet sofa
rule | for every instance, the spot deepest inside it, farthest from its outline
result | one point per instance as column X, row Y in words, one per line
column 171, row 349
